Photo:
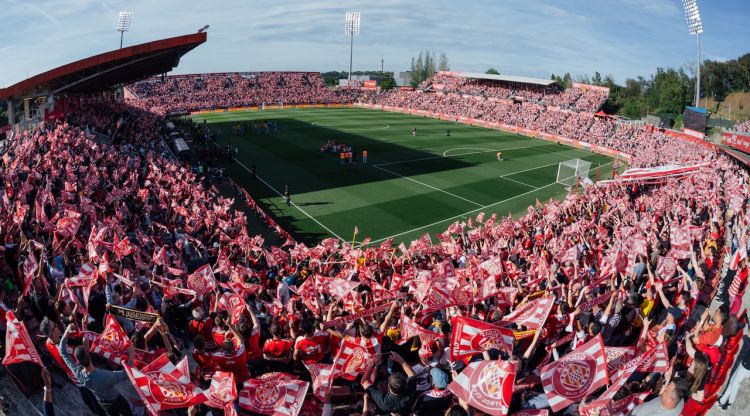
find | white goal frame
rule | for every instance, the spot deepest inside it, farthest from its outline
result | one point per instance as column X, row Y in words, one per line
column 571, row 172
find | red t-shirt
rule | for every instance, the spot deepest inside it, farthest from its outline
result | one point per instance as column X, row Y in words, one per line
column 218, row 336
column 310, row 350
column 278, row 348
column 236, row 363
column 203, row 328
column 253, row 345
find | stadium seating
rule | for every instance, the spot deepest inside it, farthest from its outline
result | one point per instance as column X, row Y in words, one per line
column 79, row 200
column 207, row 91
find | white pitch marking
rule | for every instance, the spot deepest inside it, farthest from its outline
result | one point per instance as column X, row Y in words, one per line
column 429, row 186
column 280, row 194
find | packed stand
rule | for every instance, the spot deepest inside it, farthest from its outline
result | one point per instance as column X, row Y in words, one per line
column 129, row 266
column 210, row 91
column 742, row 127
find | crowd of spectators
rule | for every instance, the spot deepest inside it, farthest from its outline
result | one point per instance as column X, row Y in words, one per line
column 88, row 227
column 578, row 98
column 742, row 127
column 210, row 91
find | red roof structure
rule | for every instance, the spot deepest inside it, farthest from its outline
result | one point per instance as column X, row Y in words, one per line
column 107, row 70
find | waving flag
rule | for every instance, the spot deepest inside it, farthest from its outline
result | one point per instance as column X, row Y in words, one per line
column 574, row 376
column 222, row 392
column 202, row 280
column 30, row 267
column 486, row 385
column 666, row 266
column 18, row 345
column 533, row 314
column 351, row 360
column 113, row 343
column 493, row 266
column 280, row 397
column 410, row 329
column 739, row 254
column 123, row 248
column 233, row 304
column 617, row 356
column 163, row 386
column 470, row 336
column 322, row 378
column 660, row 173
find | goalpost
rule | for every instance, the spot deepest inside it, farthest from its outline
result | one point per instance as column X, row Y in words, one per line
column 279, row 105
column 572, row 171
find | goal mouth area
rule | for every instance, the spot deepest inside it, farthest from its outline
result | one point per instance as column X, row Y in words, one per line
column 573, row 171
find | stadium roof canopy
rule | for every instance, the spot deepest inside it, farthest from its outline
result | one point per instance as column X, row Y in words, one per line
column 507, row 78
column 107, row 70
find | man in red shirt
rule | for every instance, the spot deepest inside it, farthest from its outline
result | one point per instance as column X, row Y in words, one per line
column 278, row 351
column 306, row 348
column 232, row 356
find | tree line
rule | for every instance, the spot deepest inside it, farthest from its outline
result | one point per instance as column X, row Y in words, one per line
column 669, row 90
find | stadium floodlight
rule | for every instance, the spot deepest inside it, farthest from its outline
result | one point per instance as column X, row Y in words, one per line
column 352, row 29
column 203, row 29
column 695, row 27
column 124, row 19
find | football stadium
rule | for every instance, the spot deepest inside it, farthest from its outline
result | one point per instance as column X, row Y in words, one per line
column 194, row 225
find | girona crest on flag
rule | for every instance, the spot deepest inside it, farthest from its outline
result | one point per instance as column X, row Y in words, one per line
column 491, row 387
column 267, row 396
column 487, row 340
column 169, row 389
column 574, row 375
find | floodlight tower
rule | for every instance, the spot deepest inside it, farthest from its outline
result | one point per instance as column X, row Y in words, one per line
column 352, row 29
column 695, row 27
column 124, row 19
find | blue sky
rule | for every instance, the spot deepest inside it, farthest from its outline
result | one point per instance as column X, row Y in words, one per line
column 624, row 38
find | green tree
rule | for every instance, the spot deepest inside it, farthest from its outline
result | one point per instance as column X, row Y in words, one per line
column 493, row 71
column 443, row 62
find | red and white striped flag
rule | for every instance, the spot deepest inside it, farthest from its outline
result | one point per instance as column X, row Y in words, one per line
column 160, row 257
column 410, row 329
column 470, row 336
column 617, row 356
column 656, row 360
column 113, row 343
column 280, row 397
column 351, row 360
column 18, row 345
column 67, row 226
column 222, row 392
column 233, row 304
column 202, row 280
column 486, row 385
column 574, row 376
column 123, row 248
column 533, row 314
column 163, row 386
column 738, row 256
column 493, row 266
column 666, row 266
column 322, row 378
column 30, row 267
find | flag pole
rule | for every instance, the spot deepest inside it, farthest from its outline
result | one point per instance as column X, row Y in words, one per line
column 355, row 235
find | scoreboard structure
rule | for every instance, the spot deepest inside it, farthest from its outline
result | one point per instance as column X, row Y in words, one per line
column 695, row 121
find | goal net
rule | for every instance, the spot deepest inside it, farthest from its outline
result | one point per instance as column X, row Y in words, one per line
column 267, row 106
column 570, row 171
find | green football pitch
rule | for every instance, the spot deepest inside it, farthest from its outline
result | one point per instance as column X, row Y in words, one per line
column 411, row 185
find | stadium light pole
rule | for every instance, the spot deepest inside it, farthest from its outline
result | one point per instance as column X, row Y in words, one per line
column 695, row 27
column 352, row 29
column 124, row 19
